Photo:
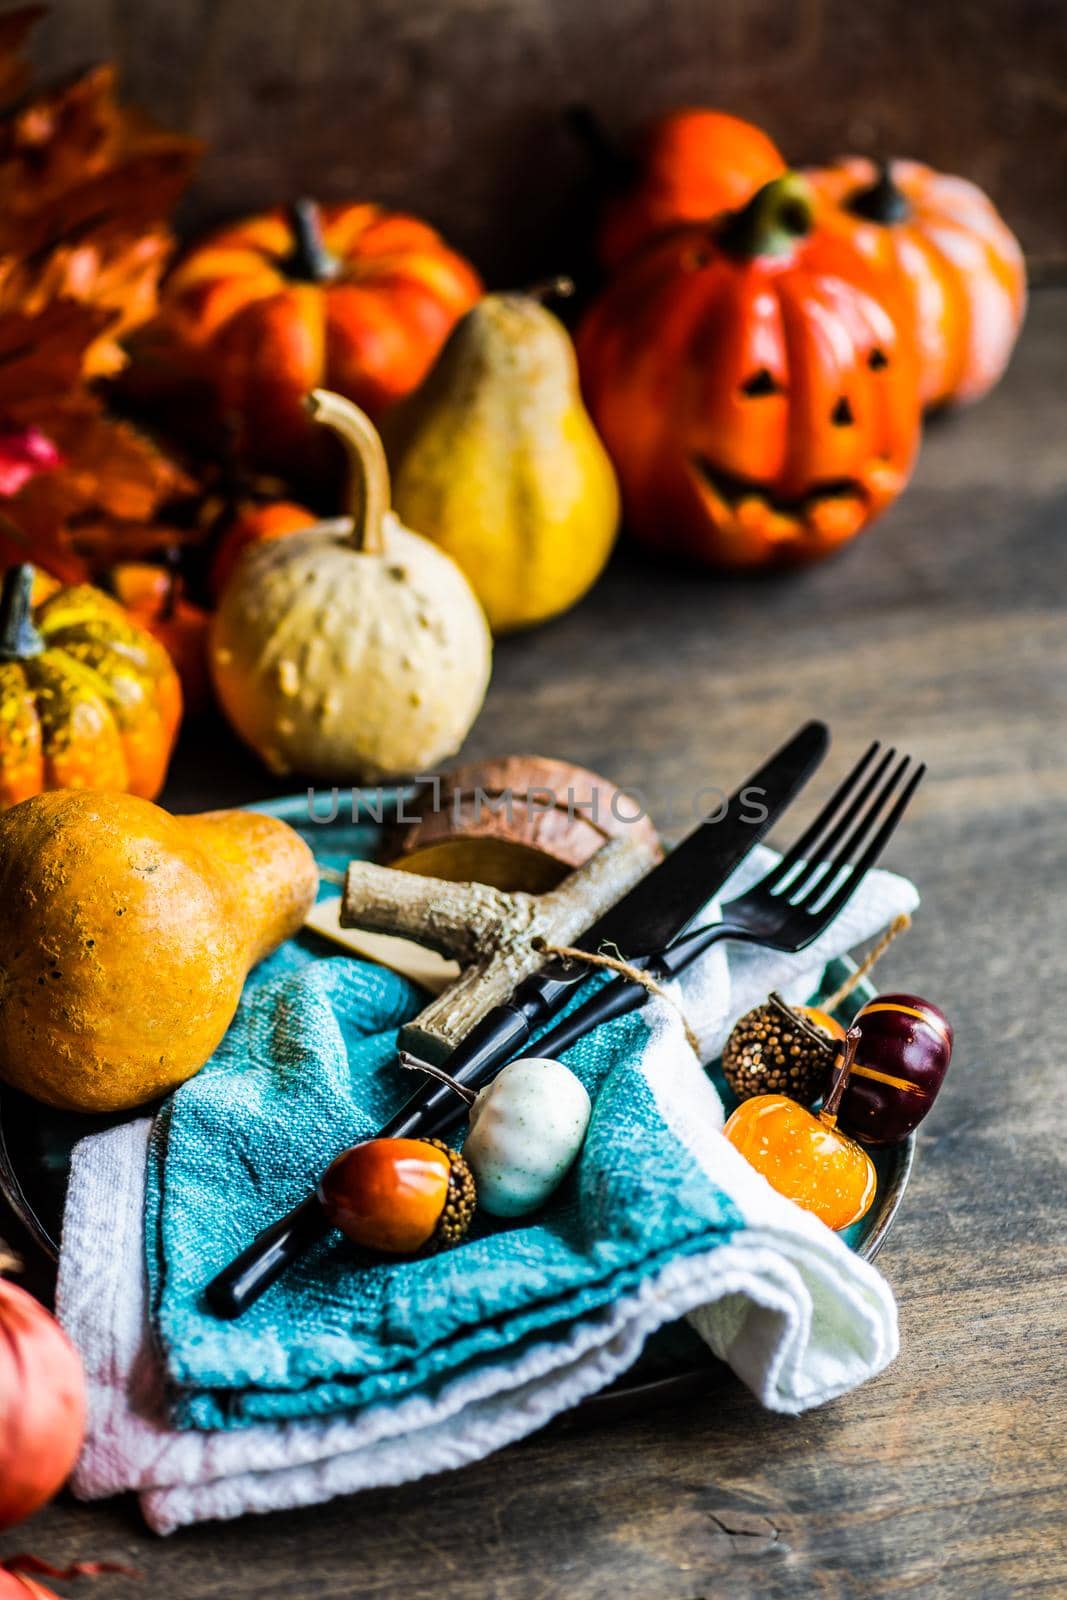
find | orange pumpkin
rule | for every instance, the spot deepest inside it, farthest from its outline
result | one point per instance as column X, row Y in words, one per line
column 154, row 597
column 690, row 166
column 252, row 523
column 752, row 386
column 957, row 265
column 88, row 700
column 349, row 297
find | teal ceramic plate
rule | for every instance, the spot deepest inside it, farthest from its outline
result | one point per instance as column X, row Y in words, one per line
column 36, row 1142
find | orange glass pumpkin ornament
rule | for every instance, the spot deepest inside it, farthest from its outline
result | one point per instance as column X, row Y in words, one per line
column 346, row 297
column 399, row 1196
column 689, row 166
column 956, row 263
column 804, row 1156
column 88, row 699
column 753, row 386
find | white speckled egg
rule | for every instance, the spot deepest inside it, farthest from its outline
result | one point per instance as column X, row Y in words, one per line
column 526, row 1128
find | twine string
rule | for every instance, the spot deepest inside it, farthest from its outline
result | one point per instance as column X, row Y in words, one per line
column 875, row 954
column 625, row 969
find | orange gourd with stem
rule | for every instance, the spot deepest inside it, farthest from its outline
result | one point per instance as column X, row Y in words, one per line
column 754, row 387
column 690, row 166
column 345, row 296
column 953, row 260
column 154, row 596
column 253, row 524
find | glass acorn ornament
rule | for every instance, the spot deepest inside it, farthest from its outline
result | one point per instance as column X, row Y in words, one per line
column 526, row 1129
column 905, row 1045
column 777, row 1048
column 399, row 1196
column 527, row 1126
column 805, row 1156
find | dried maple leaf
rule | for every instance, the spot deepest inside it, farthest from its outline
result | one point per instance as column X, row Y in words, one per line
column 109, row 471
column 114, row 267
column 85, row 188
column 72, row 155
column 109, row 467
column 44, row 353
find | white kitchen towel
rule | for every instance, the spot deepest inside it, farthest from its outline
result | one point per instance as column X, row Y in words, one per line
column 797, row 1315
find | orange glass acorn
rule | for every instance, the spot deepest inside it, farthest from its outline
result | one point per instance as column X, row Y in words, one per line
column 805, row 1156
column 399, row 1196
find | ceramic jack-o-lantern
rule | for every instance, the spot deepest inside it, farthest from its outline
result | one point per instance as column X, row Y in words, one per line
column 957, row 264
column 755, row 386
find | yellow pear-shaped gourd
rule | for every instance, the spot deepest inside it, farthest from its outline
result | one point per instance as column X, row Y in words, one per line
column 127, row 936
column 356, row 650
column 496, row 460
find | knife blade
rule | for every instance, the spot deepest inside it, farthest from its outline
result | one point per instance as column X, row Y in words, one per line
column 663, row 904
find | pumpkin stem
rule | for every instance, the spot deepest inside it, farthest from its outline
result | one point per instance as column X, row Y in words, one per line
column 773, row 220
column 558, row 288
column 19, row 638
column 369, row 473
column 832, row 1104
column 310, row 260
column 883, row 201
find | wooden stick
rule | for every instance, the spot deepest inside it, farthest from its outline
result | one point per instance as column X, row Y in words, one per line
column 492, row 934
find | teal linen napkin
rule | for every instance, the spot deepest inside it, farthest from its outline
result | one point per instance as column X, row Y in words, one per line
column 307, row 1068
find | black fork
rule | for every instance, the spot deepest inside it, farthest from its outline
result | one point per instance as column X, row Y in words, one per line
column 789, row 907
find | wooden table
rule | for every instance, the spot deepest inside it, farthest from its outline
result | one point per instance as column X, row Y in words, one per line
column 944, row 631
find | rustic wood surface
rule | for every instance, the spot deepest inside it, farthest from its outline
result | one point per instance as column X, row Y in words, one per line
column 946, row 630
column 457, row 107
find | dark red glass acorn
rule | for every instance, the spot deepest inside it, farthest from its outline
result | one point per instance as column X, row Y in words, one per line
column 904, row 1050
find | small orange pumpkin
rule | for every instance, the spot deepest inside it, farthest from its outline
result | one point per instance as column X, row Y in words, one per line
column 690, row 165
column 955, row 262
column 154, row 596
column 349, row 297
column 752, row 385
column 88, row 700
column 253, row 522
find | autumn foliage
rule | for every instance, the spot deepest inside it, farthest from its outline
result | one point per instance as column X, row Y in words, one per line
column 86, row 187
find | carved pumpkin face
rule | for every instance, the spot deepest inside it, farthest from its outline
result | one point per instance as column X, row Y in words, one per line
column 752, row 387
column 957, row 265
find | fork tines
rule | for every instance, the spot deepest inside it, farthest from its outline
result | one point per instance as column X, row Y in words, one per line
column 856, row 823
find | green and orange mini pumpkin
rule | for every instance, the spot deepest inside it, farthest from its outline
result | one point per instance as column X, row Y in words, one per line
column 88, row 700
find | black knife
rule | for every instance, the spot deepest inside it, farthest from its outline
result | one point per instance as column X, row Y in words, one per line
column 640, row 925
